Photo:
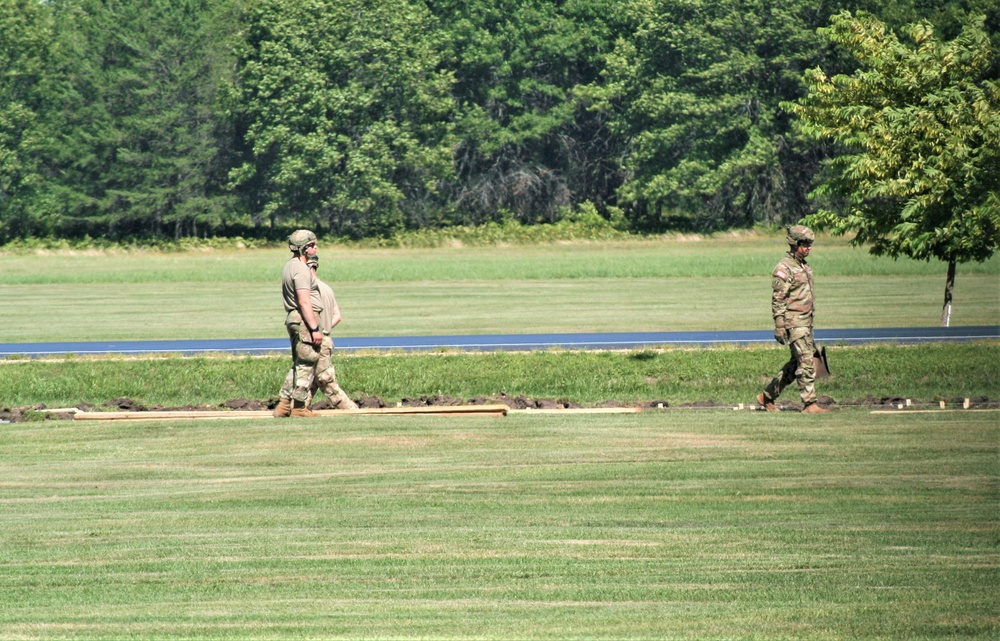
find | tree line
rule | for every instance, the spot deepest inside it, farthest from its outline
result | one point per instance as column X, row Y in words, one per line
column 160, row 119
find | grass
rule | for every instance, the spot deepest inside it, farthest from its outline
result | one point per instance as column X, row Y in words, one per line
column 702, row 525
column 672, row 284
column 929, row 373
column 662, row 525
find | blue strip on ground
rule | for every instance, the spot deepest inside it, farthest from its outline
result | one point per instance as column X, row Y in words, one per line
column 495, row 342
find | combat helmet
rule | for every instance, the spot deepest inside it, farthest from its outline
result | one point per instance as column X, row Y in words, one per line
column 798, row 234
column 299, row 239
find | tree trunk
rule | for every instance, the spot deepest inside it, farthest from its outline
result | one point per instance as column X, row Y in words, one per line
column 949, row 287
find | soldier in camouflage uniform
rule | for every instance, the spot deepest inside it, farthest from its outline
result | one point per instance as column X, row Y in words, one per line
column 299, row 287
column 792, row 305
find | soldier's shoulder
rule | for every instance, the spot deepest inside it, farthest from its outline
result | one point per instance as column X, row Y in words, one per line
column 783, row 269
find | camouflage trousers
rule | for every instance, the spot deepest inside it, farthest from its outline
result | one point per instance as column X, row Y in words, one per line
column 801, row 367
column 305, row 359
column 324, row 378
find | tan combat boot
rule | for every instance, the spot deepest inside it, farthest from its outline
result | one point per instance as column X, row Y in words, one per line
column 814, row 408
column 283, row 408
column 299, row 410
column 767, row 403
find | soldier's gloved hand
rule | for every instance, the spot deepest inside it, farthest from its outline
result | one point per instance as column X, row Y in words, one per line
column 781, row 335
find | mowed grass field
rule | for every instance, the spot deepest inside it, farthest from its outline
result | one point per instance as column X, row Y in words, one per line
column 687, row 525
column 675, row 524
column 673, row 284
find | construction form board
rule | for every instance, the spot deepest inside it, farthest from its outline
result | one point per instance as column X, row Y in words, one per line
column 436, row 410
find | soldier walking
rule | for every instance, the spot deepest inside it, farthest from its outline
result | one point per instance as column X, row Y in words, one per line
column 792, row 305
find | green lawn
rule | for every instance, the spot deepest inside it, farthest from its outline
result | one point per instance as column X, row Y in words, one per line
column 927, row 373
column 666, row 285
column 672, row 524
column 662, row 525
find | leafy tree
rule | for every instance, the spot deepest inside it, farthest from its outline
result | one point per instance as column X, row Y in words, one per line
column 344, row 110
column 919, row 128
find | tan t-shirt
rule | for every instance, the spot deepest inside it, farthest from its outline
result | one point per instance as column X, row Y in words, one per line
column 297, row 275
column 328, row 303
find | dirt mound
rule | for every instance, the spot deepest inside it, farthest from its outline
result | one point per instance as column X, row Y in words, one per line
column 125, row 405
column 428, row 401
column 29, row 413
column 204, row 407
column 246, row 405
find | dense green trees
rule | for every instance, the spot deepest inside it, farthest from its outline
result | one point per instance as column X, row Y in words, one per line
column 696, row 92
column 119, row 123
column 527, row 144
column 178, row 118
column 346, row 112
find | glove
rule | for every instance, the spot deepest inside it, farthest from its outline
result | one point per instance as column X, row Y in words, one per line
column 781, row 335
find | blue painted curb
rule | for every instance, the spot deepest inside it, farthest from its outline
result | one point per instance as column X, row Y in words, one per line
column 513, row 342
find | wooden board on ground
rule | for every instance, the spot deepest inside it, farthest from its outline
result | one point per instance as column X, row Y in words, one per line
column 905, row 411
column 430, row 410
column 581, row 410
column 437, row 410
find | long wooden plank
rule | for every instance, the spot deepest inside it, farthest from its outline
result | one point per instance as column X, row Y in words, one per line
column 437, row 410
column 423, row 409
column 581, row 410
column 167, row 414
column 985, row 409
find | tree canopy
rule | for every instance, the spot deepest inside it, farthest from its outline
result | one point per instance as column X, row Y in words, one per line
column 918, row 127
column 176, row 118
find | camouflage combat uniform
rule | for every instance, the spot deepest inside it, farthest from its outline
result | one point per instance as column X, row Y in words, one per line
column 305, row 355
column 792, row 305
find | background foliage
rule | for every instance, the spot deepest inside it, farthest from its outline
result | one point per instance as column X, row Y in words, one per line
column 177, row 119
